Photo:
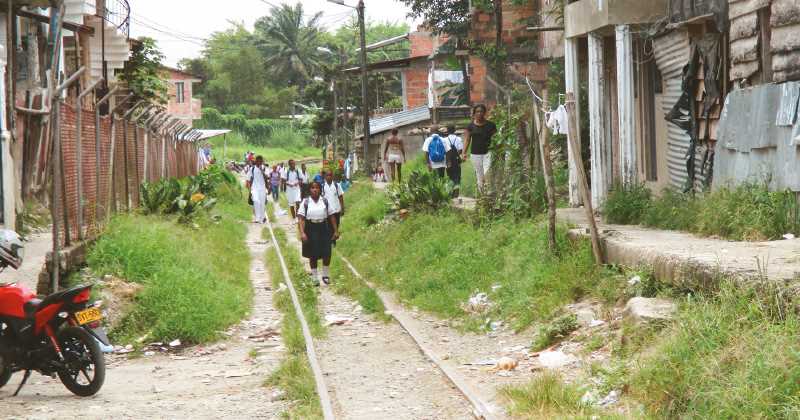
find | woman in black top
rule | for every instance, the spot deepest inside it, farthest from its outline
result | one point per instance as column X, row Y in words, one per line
column 477, row 140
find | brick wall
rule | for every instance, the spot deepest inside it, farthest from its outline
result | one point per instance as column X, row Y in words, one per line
column 128, row 167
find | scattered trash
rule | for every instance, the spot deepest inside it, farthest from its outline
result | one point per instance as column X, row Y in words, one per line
column 589, row 398
column 788, row 236
column 477, row 303
column 487, row 362
column 281, row 287
column 506, row 363
column 175, row 343
column 334, row 319
column 596, row 323
column 610, row 399
column 556, row 359
column 149, row 353
column 496, row 287
column 277, row 395
column 237, row 374
column 634, row 280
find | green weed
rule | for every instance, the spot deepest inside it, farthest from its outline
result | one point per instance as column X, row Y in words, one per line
column 436, row 261
column 347, row 284
column 745, row 212
column 546, row 397
column 554, row 331
column 626, row 204
column 733, row 355
column 196, row 280
column 294, row 374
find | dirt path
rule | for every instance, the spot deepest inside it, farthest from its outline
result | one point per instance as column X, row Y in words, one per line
column 374, row 370
column 36, row 248
column 218, row 381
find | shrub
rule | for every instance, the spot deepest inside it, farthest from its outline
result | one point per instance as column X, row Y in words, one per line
column 555, row 331
column 423, row 191
column 626, row 204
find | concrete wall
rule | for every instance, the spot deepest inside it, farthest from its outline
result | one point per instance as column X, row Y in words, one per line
column 584, row 16
column 191, row 108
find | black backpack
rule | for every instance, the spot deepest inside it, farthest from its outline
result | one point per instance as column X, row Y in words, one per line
column 453, row 156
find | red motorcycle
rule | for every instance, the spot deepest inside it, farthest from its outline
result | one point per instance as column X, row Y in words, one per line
column 58, row 335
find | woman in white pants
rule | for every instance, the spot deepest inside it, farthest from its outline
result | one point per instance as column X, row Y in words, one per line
column 257, row 183
column 477, row 141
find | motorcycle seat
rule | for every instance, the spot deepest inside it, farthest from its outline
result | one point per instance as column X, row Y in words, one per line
column 31, row 306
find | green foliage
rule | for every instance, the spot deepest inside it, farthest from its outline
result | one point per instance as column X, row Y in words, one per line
column 143, row 72
column 547, row 397
column 626, row 204
column 745, row 212
column 289, row 42
column 195, row 280
column 234, row 146
column 734, row 355
column 554, row 331
column 511, row 188
column 450, row 17
column 438, row 260
column 423, row 191
column 187, row 196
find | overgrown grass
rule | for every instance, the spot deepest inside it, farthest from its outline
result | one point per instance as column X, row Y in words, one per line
column 437, row 261
column 547, row 397
column 733, row 355
column 347, row 284
column 237, row 146
column 196, row 279
column 746, row 212
column 294, row 374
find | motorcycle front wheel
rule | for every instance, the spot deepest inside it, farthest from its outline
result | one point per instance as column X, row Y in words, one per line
column 5, row 373
column 85, row 369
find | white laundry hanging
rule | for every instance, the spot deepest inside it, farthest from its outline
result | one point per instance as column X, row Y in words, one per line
column 558, row 120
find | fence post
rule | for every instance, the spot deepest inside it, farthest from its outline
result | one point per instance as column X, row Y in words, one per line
column 126, row 119
column 112, row 191
column 79, row 136
column 98, row 152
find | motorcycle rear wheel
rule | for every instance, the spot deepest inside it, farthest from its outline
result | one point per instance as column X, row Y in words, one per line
column 83, row 357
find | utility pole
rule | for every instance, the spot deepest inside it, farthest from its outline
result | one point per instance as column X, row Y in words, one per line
column 364, row 99
column 346, row 116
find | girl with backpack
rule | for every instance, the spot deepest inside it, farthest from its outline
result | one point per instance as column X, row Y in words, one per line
column 318, row 230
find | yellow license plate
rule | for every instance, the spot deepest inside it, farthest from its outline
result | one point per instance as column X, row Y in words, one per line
column 88, row 315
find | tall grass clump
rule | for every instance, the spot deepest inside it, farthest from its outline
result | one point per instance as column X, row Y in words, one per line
column 745, row 212
column 436, row 261
column 196, row 281
column 294, row 374
column 626, row 204
column 732, row 355
column 547, row 397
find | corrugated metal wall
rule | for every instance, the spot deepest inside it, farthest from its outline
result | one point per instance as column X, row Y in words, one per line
column 672, row 52
column 757, row 137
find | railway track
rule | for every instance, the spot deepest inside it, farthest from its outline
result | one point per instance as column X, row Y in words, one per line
column 478, row 407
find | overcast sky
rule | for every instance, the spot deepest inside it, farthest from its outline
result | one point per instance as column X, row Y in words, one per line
column 181, row 25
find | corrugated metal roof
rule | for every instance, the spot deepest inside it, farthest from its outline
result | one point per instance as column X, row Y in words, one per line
column 399, row 119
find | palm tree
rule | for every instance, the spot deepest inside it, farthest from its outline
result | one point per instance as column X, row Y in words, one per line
column 289, row 43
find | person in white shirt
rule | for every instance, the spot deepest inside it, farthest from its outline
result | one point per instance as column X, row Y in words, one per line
column 293, row 181
column 304, row 175
column 436, row 162
column 257, row 184
column 318, row 230
column 282, row 168
column 332, row 191
column 454, row 158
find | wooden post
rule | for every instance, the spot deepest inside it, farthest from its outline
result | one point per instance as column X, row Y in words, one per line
column 547, row 169
column 583, row 183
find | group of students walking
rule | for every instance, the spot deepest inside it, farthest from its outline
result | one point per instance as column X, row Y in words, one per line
column 444, row 153
column 316, row 207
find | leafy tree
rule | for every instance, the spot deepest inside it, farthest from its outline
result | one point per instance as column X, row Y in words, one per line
column 289, row 43
column 442, row 16
column 143, row 71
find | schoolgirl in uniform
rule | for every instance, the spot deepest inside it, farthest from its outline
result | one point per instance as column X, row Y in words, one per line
column 318, row 229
